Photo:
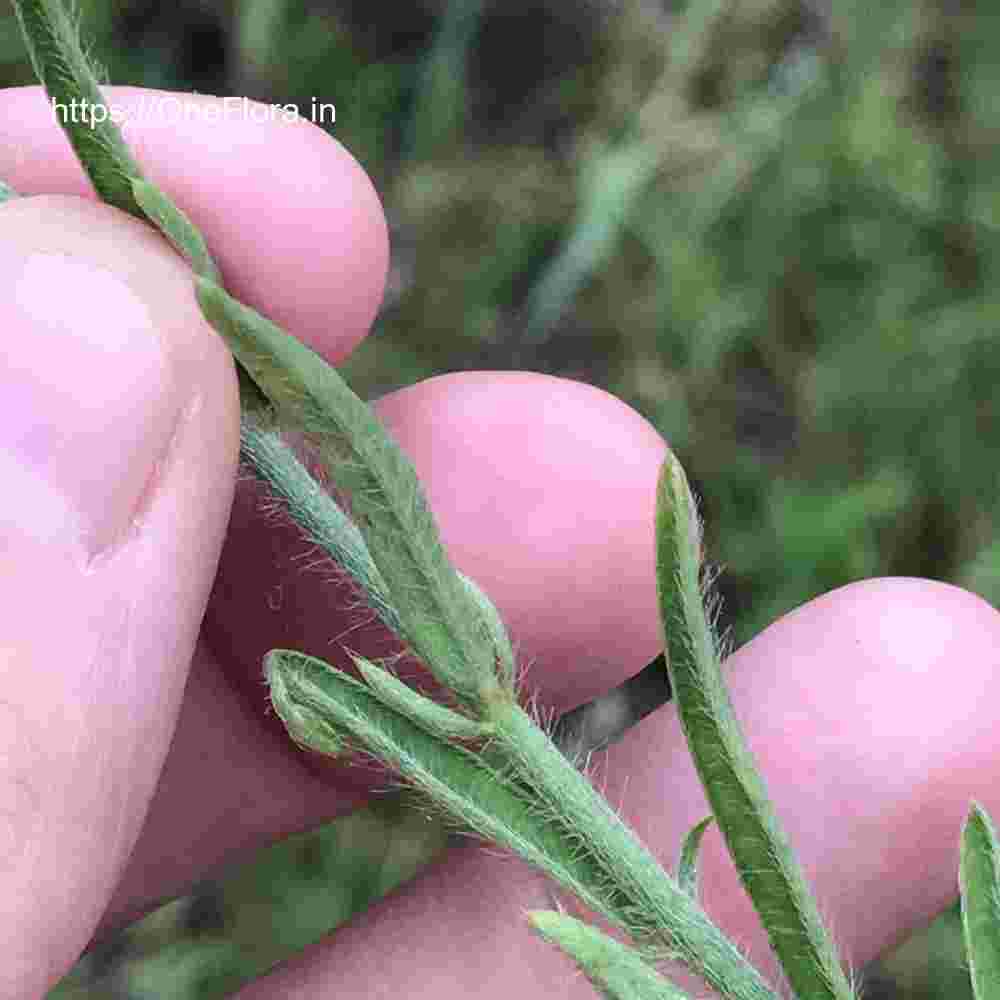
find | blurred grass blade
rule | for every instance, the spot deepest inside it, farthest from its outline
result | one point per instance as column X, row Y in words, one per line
column 438, row 616
column 440, row 100
column 69, row 81
column 734, row 788
column 687, row 867
column 611, row 183
column 177, row 228
column 616, row 971
column 437, row 720
column 6, row 192
column 979, row 878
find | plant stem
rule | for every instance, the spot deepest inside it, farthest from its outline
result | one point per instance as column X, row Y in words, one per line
column 644, row 897
column 63, row 70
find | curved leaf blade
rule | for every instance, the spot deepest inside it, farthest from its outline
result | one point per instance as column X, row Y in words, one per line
column 979, row 877
column 616, row 971
column 729, row 775
column 687, row 867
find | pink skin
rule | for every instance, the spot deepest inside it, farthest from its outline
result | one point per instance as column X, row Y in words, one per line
column 869, row 708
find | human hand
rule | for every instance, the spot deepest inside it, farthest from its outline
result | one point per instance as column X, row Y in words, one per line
column 118, row 480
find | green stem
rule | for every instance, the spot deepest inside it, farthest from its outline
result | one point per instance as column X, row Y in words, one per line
column 77, row 103
column 638, row 890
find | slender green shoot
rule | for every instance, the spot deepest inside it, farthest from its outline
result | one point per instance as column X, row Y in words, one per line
column 326, row 525
column 979, row 878
column 616, row 971
column 439, row 618
column 687, row 867
column 516, row 795
column 658, row 911
column 320, row 517
column 758, row 845
column 177, row 227
column 71, row 84
column 6, row 192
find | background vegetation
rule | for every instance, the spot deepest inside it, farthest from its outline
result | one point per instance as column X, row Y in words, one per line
column 771, row 226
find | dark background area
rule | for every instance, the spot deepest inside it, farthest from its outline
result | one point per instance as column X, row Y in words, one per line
column 771, row 226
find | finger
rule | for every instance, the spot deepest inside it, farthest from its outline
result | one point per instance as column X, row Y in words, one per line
column 869, row 714
column 293, row 220
column 120, row 434
column 523, row 540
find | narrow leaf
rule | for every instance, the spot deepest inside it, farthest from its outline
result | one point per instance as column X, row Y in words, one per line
column 617, row 971
column 494, row 629
column 687, row 867
column 72, row 88
column 316, row 702
column 979, row 878
column 316, row 512
column 438, row 616
column 177, row 228
column 438, row 720
column 6, row 192
column 733, row 785
column 326, row 525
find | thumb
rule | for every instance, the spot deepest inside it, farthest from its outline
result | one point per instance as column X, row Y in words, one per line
column 119, row 426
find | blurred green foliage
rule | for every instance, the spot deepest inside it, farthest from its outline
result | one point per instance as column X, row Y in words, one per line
column 772, row 226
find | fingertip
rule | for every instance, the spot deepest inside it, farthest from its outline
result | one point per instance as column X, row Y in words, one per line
column 545, row 491
column 291, row 216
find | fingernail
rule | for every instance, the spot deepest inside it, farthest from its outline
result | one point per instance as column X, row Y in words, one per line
column 88, row 403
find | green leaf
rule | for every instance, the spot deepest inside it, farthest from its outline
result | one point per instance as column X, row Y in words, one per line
column 177, row 228
column 324, row 708
column 617, row 971
column 316, row 512
column 494, row 630
column 438, row 720
column 77, row 102
column 687, row 867
column 6, row 192
column 438, row 616
column 733, row 785
column 979, row 878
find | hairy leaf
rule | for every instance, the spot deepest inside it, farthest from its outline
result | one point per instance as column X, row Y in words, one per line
column 732, row 783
